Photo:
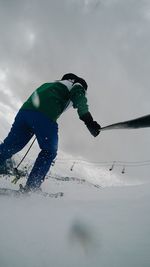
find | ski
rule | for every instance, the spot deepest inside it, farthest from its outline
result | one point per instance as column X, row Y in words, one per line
column 18, row 193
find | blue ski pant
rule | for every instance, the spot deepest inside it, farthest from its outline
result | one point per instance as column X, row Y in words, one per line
column 28, row 123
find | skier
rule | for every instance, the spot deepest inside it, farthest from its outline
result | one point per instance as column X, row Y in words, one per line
column 38, row 117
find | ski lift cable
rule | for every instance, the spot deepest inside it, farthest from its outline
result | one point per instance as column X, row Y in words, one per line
column 107, row 163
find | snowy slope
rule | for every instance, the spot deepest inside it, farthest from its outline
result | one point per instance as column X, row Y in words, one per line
column 88, row 227
column 102, row 220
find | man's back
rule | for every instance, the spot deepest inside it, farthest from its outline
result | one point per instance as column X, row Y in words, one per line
column 53, row 98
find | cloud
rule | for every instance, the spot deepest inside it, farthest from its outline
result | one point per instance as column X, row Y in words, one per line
column 106, row 42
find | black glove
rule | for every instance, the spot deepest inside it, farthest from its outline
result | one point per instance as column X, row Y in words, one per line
column 92, row 125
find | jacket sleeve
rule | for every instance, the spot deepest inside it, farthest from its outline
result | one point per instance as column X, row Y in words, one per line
column 79, row 100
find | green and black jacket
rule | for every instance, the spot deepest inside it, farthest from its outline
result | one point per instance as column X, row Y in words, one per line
column 54, row 98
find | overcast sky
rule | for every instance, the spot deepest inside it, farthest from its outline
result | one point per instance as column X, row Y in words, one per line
column 105, row 41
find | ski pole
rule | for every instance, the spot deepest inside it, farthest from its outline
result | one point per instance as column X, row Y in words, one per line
column 141, row 122
column 16, row 171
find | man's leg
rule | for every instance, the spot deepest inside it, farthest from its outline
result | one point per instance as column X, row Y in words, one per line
column 18, row 137
column 46, row 132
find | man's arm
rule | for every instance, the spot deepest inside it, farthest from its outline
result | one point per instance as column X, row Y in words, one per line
column 78, row 97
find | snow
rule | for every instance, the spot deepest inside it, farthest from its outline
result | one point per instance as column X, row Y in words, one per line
column 89, row 226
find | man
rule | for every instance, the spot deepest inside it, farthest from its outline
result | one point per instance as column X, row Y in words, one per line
column 38, row 117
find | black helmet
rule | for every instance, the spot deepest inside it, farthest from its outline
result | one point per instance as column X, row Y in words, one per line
column 76, row 79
